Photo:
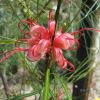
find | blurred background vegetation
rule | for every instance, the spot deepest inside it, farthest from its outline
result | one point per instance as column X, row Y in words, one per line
column 21, row 78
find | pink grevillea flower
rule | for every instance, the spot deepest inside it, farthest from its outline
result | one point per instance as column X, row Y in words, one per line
column 39, row 42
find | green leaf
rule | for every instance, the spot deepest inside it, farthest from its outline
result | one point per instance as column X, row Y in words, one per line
column 66, row 89
column 7, row 41
column 20, row 97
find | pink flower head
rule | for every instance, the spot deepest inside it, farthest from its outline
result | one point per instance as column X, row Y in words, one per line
column 39, row 40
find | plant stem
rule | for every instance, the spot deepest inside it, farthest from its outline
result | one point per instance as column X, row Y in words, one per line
column 46, row 85
column 5, row 84
column 44, row 7
column 58, row 9
column 56, row 16
column 47, row 77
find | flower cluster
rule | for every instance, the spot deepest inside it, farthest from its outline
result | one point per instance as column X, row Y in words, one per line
column 40, row 42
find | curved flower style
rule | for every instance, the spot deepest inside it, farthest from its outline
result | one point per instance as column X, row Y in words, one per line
column 39, row 40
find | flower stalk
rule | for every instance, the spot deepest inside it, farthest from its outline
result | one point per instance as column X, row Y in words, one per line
column 47, row 77
column 46, row 85
column 58, row 9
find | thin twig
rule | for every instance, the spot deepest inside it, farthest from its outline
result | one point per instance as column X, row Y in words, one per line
column 44, row 7
column 5, row 84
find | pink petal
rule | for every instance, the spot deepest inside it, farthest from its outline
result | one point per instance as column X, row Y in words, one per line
column 64, row 41
column 39, row 32
column 62, row 62
column 58, row 33
column 39, row 50
column 51, row 27
column 32, row 54
column 44, row 45
column 58, row 57
column 33, row 41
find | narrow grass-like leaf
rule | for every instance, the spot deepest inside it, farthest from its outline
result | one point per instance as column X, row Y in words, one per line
column 20, row 97
column 7, row 42
column 66, row 89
